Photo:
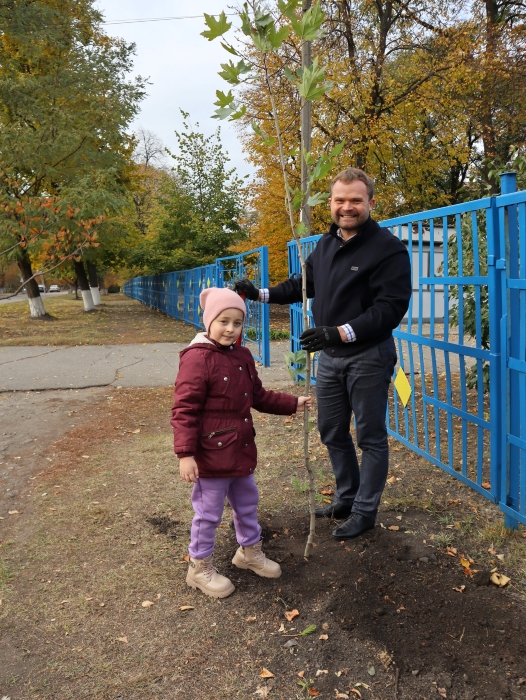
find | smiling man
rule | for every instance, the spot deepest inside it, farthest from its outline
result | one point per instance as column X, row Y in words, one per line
column 360, row 278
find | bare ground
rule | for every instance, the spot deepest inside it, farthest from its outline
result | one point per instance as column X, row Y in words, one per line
column 99, row 525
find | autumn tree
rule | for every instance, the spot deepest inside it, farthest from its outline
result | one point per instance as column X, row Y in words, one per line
column 65, row 108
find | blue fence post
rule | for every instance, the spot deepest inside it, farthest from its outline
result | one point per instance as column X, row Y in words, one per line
column 510, row 347
column 265, row 311
column 497, row 362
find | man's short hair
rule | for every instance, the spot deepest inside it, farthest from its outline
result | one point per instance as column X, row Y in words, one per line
column 352, row 174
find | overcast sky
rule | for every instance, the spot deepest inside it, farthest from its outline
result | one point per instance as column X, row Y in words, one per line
column 181, row 65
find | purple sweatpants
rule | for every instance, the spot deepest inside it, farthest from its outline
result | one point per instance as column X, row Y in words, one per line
column 208, row 499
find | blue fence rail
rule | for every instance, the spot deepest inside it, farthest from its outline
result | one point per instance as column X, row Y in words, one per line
column 176, row 294
column 462, row 344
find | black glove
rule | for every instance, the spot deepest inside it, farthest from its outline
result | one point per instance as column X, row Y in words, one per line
column 314, row 339
column 247, row 288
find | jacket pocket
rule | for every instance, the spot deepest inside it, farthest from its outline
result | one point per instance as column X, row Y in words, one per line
column 218, row 439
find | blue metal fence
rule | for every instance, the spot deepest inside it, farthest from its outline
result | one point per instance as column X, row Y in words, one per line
column 176, row 294
column 462, row 344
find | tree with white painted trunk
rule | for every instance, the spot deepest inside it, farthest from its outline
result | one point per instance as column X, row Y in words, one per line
column 64, row 142
column 264, row 33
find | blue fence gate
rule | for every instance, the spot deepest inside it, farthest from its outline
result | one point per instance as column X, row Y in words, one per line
column 462, row 344
column 176, row 294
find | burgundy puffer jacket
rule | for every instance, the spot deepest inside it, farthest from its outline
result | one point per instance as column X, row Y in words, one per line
column 215, row 388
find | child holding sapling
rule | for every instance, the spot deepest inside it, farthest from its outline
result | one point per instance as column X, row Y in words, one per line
column 216, row 387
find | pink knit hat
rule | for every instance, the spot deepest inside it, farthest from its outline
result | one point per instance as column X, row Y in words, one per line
column 214, row 301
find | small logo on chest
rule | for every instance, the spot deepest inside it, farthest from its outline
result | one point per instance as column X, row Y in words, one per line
column 354, row 268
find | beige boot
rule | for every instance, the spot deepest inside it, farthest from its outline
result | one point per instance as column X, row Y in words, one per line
column 254, row 558
column 202, row 574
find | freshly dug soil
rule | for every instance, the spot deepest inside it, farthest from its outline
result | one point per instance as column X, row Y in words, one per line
column 400, row 617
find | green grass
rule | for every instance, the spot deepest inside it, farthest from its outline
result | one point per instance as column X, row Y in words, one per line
column 118, row 320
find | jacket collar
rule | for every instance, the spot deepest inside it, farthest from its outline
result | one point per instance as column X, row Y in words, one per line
column 369, row 227
column 202, row 339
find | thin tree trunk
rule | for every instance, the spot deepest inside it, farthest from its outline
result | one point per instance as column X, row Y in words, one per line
column 84, row 286
column 36, row 304
column 76, row 288
column 93, row 283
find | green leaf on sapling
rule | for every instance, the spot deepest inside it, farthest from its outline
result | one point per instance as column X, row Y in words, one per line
column 310, row 27
column 222, row 99
column 308, row 157
column 277, row 37
column 337, row 150
column 288, row 8
column 291, row 77
column 267, row 140
column 301, row 229
column 216, row 27
column 237, row 115
column 229, row 48
column 317, row 198
column 224, row 112
column 262, row 20
column 231, row 71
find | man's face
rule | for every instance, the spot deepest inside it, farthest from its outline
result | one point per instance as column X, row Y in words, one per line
column 350, row 206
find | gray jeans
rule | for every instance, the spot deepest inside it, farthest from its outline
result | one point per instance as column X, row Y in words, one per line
column 356, row 384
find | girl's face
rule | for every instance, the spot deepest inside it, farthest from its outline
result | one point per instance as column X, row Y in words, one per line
column 227, row 327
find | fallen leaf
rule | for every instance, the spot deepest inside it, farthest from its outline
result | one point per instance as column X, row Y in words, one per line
column 282, row 628
column 451, row 551
column 123, row 639
column 183, row 607
column 460, row 589
column 392, row 480
column 394, row 527
column 465, row 563
column 485, row 485
column 101, row 605
column 265, row 673
column 138, row 430
column 340, row 695
column 327, row 492
column 63, row 601
column 324, row 636
column 147, row 603
column 85, row 456
column 262, row 690
column 492, row 551
column 308, row 630
column 320, row 672
column 356, row 692
column 500, row 557
column 12, row 512
column 290, row 615
column 442, row 692
column 371, row 671
column 499, row 579
column 313, row 692
column 251, row 618
column 301, row 674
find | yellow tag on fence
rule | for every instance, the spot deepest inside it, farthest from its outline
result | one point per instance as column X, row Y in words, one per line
column 402, row 387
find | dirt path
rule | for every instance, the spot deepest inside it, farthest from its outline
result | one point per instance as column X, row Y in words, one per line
column 102, row 527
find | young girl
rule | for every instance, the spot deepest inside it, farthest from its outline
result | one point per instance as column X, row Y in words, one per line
column 216, row 387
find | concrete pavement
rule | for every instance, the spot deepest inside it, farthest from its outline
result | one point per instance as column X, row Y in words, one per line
column 44, row 368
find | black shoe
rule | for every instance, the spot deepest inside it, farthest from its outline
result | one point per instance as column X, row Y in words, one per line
column 338, row 511
column 353, row 526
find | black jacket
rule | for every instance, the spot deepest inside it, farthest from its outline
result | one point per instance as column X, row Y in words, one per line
column 365, row 282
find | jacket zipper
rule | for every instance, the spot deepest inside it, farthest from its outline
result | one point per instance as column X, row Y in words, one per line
column 220, row 432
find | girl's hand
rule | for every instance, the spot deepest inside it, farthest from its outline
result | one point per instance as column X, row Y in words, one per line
column 188, row 469
column 302, row 400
